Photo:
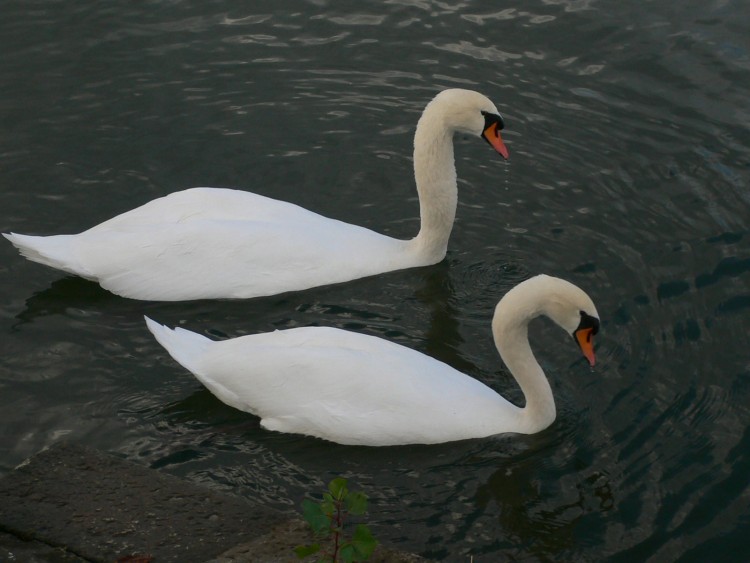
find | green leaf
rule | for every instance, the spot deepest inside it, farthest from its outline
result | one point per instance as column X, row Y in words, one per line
column 315, row 517
column 338, row 488
column 363, row 542
column 303, row 551
column 347, row 553
column 356, row 503
column 328, row 507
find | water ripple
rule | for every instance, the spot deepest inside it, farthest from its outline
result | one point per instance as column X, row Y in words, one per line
column 490, row 53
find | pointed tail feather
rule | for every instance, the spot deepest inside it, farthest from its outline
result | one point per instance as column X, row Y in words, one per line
column 53, row 251
column 185, row 346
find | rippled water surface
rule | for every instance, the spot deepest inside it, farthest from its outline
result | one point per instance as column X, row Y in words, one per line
column 629, row 131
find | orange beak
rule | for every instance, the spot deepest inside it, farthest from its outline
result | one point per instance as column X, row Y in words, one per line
column 584, row 338
column 492, row 136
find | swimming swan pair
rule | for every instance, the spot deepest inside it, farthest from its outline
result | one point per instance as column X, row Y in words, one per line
column 334, row 384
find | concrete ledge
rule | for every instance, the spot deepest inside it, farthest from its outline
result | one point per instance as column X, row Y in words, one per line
column 72, row 504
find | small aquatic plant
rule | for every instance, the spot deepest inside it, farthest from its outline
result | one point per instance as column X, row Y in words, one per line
column 326, row 519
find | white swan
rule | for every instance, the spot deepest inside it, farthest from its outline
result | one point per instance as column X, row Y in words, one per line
column 356, row 389
column 207, row 243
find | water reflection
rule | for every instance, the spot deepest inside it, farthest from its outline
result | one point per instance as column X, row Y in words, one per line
column 442, row 338
column 541, row 519
column 63, row 295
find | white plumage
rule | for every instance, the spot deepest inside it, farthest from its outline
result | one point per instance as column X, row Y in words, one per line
column 357, row 389
column 219, row 243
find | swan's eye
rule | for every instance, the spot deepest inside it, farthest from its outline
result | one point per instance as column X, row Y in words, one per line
column 587, row 321
column 490, row 118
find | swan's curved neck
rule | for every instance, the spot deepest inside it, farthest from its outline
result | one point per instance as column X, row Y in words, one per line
column 510, row 329
column 435, row 175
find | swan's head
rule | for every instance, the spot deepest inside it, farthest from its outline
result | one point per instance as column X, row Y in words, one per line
column 470, row 112
column 563, row 302
column 571, row 308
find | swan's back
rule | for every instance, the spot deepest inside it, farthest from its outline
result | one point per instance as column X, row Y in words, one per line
column 207, row 204
column 342, row 386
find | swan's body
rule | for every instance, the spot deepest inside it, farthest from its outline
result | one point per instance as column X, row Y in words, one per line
column 219, row 243
column 357, row 389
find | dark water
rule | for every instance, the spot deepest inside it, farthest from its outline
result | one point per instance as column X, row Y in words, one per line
column 629, row 131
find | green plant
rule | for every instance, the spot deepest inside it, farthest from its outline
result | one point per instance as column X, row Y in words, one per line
column 326, row 518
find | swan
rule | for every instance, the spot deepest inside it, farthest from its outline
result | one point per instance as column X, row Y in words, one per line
column 357, row 389
column 207, row 243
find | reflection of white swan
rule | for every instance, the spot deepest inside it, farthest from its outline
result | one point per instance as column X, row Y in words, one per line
column 356, row 389
column 219, row 243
